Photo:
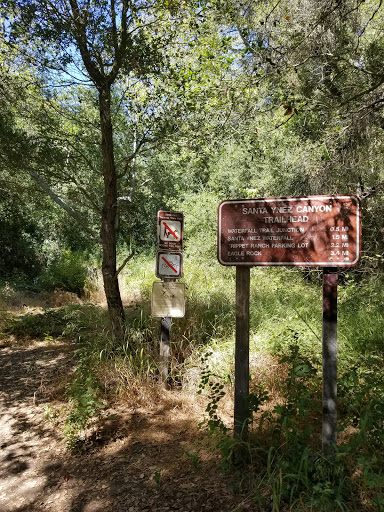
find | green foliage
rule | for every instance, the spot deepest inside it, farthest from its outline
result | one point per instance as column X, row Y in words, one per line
column 361, row 314
column 20, row 239
column 304, row 480
column 83, row 394
column 230, row 185
column 215, row 394
column 194, row 458
column 361, row 391
column 283, row 303
column 157, row 477
column 72, row 320
column 51, row 415
column 210, row 304
column 81, row 320
column 135, row 358
column 301, row 388
column 200, row 220
column 285, row 439
column 49, row 323
column 68, row 272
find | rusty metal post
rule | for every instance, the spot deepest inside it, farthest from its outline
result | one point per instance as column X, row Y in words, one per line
column 329, row 339
column 164, row 347
column 165, row 335
column 241, row 412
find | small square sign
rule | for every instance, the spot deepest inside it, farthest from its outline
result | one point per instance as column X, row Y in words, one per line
column 168, row 299
column 170, row 231
column 169, row 264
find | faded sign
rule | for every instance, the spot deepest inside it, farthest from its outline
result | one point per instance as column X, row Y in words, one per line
column 168, row 299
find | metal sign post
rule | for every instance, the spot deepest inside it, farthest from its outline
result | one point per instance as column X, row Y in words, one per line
column 165, row 335
column 168, row 297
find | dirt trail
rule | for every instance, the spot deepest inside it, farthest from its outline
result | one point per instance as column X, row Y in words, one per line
column 144, row 461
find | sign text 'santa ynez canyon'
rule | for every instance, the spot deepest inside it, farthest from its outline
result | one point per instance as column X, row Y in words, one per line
column 319, row 231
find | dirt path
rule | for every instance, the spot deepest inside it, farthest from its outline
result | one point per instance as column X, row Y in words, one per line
column 146, row 460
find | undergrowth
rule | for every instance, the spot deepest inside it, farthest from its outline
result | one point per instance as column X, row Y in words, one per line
column 283, row 452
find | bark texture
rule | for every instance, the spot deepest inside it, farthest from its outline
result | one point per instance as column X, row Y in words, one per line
column 109, row 213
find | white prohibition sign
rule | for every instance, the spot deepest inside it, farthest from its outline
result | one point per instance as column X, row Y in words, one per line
column 169, row 264
column 170, row 230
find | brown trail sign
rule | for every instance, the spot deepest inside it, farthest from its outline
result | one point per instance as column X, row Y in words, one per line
column 321, row 231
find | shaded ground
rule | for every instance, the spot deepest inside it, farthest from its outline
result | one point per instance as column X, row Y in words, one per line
column 143, row 460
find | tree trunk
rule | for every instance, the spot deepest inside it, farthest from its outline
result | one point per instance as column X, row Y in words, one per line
column 109, row 213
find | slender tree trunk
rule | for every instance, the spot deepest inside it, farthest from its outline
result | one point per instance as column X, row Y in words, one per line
column 109, row 213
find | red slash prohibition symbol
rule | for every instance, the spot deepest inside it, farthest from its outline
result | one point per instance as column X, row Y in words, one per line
column 170, row 230
column 169, row 265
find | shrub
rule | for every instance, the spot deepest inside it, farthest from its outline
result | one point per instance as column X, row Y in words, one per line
column 68, row 272
column 50, row 323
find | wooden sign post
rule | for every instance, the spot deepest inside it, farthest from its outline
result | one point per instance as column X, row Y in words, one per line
column 317, row 231
column 242, row 352
column 329, row 341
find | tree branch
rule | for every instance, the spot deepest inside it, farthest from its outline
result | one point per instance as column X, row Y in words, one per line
column 138, row 146
column 94, row 205
column 121, row 49
column 73, row 213
column 371, row 105
column 81, row 37
column 114, row 28
column 366, row 91
column 129, row 257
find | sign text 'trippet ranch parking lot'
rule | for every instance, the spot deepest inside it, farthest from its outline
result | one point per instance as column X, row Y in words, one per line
column 319, row 231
